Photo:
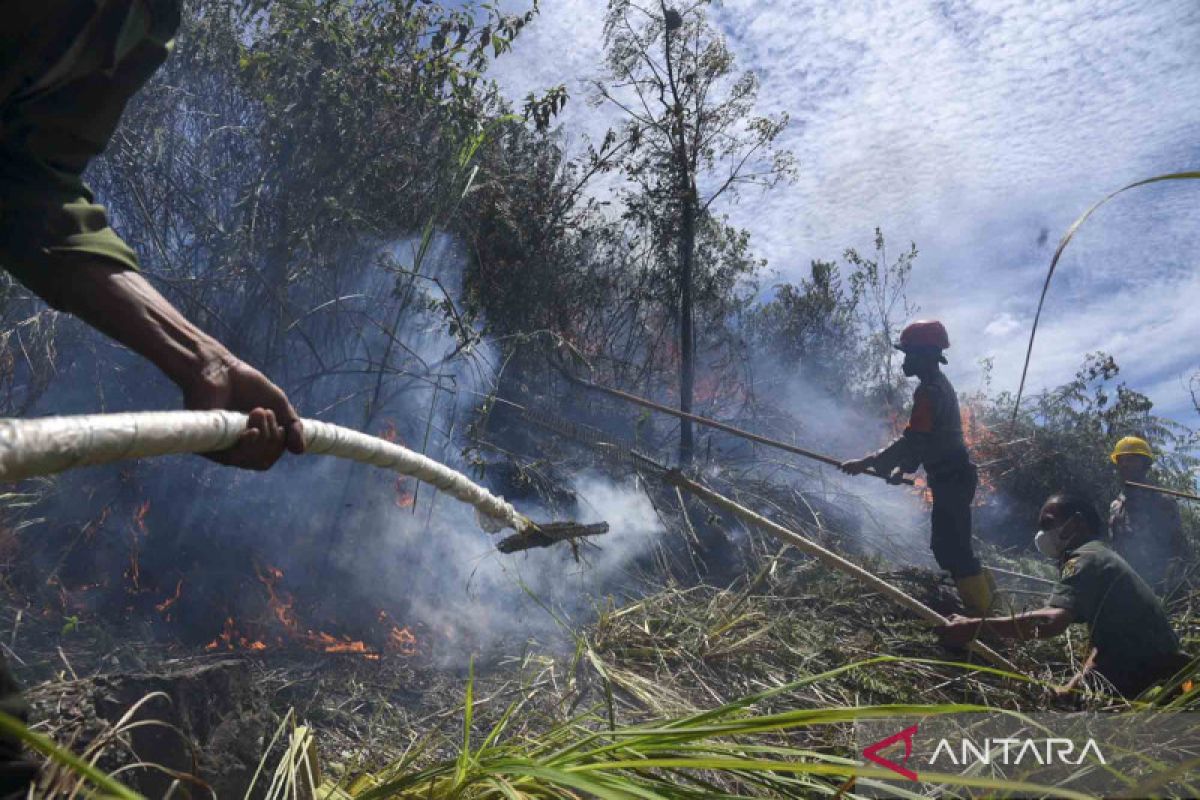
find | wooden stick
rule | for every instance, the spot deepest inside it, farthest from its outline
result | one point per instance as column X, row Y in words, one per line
column 829, row 558
column 1034, row 578
column 547, row 535
column 1161, row 490
column 721, row 426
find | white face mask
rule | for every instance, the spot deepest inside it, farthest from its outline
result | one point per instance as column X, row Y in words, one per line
column 1051, row 543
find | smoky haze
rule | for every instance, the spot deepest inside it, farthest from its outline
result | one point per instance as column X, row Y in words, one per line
column 186, row 550
column 352, row 543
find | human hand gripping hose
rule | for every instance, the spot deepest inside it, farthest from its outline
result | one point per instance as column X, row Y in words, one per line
column 49, row 445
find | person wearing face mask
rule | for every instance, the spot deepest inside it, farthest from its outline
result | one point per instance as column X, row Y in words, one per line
column 1145, row 526
column 934, row 439
column 1133, row 645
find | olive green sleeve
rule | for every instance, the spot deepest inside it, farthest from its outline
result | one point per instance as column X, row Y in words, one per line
column 66, row 74
column 1078, row 587
column 41, row 247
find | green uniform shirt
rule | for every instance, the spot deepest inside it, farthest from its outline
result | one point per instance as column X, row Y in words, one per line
column 67, row 70
column 1135, row 645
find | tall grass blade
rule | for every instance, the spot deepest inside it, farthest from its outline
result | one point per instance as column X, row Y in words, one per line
column 1176, row 176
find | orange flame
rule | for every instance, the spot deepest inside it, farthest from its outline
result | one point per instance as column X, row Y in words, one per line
column 134, row 573
column 400, row 639
column 405, row 497
column 165, row 605
column 922, row 490
column 231, row 639
column 281, row 607
column 89, row 530
column 978, row 438
column 281, row 604
column 139, row 517
column 71, row 600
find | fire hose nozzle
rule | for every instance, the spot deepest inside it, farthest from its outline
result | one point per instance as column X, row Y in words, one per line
column 549, row 534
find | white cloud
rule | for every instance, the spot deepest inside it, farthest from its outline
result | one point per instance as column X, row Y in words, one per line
column 1002, row 325
column 979, row 130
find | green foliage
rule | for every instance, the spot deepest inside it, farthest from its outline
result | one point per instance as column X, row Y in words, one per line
column 812, row 325
column 838, row 325
column 542, row 110
column 281, row 150
column 687, row 112
column 884, row 308
column 1061, row 440
column 727, row 752
column 268, row 177
column 688, row 137
column 105, row 785
column 556, row 265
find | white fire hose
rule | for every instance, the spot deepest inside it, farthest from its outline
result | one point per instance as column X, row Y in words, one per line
column 48, row 445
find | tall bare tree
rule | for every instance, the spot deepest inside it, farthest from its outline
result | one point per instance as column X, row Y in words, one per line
column 688, row 136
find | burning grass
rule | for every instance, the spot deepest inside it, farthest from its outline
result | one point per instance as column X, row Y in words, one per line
column 745, row 691
column 707, row 692
column 704, row 692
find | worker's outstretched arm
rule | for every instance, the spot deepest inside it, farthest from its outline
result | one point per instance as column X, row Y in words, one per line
column 1043, row 623
column 122, row 304
column 907, row 451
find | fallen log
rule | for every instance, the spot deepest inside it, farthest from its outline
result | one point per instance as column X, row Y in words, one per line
column 827, row 557
column 49, row 445
column 721, row 426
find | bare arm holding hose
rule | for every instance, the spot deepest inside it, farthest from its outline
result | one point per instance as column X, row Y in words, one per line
column 67, row 71
column 122, row 304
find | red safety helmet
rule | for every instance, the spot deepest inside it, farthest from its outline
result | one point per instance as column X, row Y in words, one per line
column 925, row 333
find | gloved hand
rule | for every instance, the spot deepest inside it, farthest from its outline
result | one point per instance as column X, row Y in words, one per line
column 857, row 466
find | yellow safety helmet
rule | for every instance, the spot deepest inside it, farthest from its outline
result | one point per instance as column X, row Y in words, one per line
column 1132, row 446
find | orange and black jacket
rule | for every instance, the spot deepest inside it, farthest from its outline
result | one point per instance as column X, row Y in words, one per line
column 934, row 435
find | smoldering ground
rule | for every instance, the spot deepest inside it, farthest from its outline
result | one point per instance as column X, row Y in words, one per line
column 189, row 551
column 185, row 550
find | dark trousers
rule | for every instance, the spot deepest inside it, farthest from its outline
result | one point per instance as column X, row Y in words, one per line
column 1132, row 682
column 953, row 493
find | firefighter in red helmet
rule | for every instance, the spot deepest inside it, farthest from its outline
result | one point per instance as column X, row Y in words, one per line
column 934, row 439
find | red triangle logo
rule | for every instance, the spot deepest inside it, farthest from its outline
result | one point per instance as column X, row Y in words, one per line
column 872, row 753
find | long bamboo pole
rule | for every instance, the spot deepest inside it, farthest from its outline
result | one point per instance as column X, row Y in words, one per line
column 721, row 426
column 829, row 558
column 1161, row 490
column 1034, row 578
column 48, row 445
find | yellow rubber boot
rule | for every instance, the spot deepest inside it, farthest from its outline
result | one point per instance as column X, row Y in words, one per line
column 977, row 592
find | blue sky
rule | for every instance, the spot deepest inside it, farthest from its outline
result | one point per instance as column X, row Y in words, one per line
column 969, row 128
